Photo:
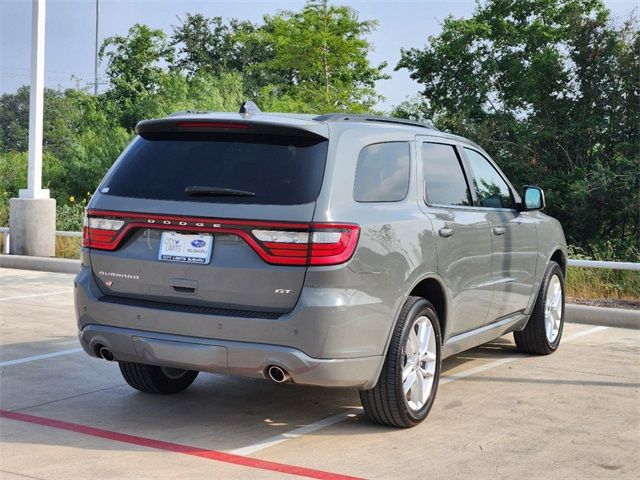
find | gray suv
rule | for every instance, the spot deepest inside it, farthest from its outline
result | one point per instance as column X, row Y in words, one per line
column 335, row 250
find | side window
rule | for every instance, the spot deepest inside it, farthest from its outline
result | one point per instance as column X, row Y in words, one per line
column 444, row 180
column 492, row 190
column 382, row 174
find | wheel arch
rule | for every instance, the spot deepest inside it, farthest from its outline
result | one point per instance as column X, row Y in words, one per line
column 430, row 287
column 560, row 258
column 433, row 291
column 557, row 254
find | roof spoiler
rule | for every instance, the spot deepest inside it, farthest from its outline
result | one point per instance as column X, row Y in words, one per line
column 169, row 127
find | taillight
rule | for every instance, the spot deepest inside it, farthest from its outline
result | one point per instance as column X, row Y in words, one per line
column 101, row 233
column 322, row 244
column 278, row 243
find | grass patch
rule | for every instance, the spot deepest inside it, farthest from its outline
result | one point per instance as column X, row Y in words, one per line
column 68, row 247
column 599, row 283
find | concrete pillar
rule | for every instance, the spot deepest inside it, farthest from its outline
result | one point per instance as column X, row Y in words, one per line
column 32, row 217
column 32, row 223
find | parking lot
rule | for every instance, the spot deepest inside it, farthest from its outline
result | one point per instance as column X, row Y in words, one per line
column 499, row 414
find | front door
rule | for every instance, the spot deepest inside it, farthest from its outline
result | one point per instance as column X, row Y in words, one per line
column 513, row 236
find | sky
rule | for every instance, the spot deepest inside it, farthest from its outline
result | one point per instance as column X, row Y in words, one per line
column 70, row 32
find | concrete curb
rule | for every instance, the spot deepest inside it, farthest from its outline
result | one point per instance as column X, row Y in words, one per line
column 609, row 317
column 43, row 264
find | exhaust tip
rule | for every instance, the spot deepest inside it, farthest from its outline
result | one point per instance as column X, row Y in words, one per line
column 278, row 374
column 104, row 352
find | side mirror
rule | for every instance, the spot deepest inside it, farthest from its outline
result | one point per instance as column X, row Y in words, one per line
column 533, row 198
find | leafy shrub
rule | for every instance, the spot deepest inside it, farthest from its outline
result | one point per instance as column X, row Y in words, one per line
column 69, row 216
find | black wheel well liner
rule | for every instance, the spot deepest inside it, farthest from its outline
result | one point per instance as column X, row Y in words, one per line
column 560, row 259
column 431, row 290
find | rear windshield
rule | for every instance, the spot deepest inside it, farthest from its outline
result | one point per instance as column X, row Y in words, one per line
column 277, row 170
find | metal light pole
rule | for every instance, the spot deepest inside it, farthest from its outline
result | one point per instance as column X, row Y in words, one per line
column 32, row 216
column 95, row 66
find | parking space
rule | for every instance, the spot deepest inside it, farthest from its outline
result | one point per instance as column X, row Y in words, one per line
column 499, row 414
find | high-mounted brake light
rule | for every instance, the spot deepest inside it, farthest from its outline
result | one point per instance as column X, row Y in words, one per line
column 278, row 243
column 234, row 126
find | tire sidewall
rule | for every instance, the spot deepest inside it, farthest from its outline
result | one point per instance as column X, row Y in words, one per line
column 421, row 308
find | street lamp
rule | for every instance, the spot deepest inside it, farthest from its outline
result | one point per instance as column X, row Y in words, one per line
column 32, row 216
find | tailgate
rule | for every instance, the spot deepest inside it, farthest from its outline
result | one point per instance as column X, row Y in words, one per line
column 192, row 213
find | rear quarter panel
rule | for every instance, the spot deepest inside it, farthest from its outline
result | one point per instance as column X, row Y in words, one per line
column 396, row 247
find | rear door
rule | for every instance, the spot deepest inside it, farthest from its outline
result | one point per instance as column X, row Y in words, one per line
column 212, row 216
column 514, row 237
column 463, row 238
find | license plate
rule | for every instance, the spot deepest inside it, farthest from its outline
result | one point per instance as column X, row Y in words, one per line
column 176, row 247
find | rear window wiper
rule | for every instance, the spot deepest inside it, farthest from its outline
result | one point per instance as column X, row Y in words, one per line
column 196, row 190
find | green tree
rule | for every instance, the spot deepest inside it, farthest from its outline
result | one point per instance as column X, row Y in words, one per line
column 551, row 89
column 211, row 46
column 202, row 45
column 14, row 120
column 136, row 65
column 320, row 57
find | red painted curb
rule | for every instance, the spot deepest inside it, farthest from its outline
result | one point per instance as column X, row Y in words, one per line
column 176, row 447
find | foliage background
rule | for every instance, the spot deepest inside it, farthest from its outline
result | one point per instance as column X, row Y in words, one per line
column 550, row 88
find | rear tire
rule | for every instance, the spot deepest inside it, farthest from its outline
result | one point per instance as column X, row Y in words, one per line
column 154, row 379
column 542, row 334
column 408, row 381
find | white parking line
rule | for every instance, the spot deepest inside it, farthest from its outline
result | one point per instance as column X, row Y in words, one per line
column 18, row 361
column 312, row 427
column 34, row 295
column 513, row 358
column 298, row 432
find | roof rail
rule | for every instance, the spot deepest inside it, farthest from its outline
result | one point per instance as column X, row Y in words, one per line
column 345, row 117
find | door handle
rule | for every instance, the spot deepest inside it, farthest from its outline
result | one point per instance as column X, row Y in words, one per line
column 445, row 232
column 498, row 231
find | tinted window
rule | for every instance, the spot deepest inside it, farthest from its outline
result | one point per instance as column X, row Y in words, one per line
column 280, row 170
column 444, row 180
column 491, row 189
column 382, row 174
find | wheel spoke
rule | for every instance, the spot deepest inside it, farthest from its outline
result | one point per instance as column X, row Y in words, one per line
column 430, row 369
column 408, row 368
column 557, row 296
column 417, row 391
column 428, row 357
column 409, row 382
column 424, row 335
column 413, row 343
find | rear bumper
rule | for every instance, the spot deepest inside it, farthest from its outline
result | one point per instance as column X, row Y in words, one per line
column 334, row 337
column 232, row 358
